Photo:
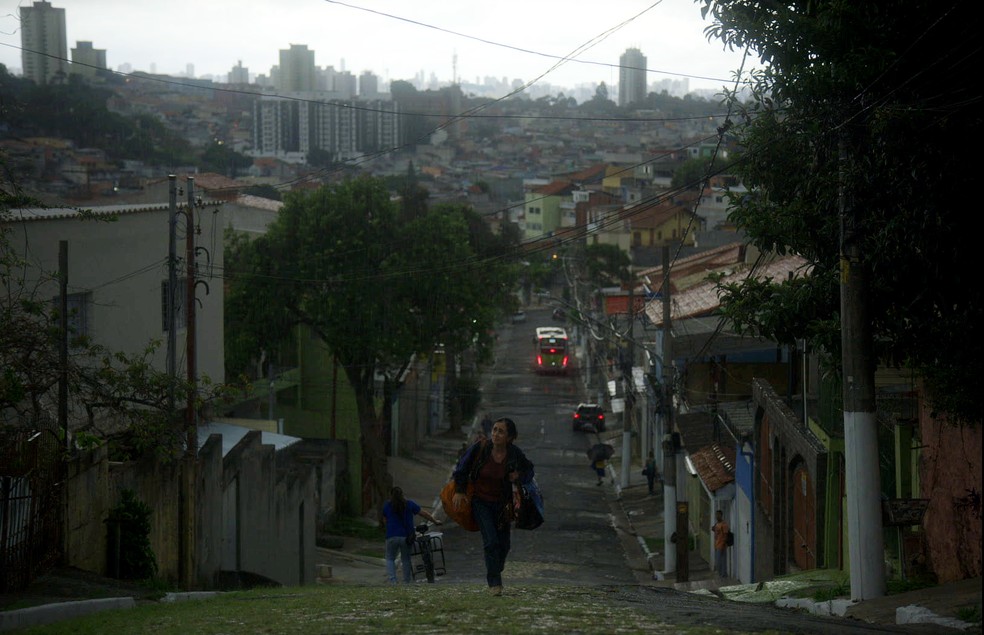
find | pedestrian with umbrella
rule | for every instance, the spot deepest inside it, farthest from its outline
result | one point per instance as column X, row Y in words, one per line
column 598, row 454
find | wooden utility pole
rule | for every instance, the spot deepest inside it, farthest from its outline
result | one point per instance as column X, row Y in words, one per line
column 189, row 471
column 191, row 334
column 864, row 525
column 172, row 288
column 63, row 340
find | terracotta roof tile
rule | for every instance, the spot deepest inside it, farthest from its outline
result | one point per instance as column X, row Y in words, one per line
column 715, row 465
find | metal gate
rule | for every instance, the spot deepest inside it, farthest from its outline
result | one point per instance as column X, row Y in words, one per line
column 31, row 477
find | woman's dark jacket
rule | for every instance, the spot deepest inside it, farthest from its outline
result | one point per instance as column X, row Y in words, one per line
column 478, row 454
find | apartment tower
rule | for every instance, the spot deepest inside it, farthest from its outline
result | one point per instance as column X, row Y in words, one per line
column 86, row 60
column 44, row 44
column 631, row 77
column 297, row 72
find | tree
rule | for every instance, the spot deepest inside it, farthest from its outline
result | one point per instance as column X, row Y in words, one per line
column 600, row 103
column 606, row 264
column 376, row 290
column 870, row 100
column 220, row 158
column 691, row 173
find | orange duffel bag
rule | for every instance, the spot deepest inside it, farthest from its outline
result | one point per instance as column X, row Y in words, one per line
column 462, row 516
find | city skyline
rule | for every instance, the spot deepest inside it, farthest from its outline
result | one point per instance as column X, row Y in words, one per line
column 396, row 41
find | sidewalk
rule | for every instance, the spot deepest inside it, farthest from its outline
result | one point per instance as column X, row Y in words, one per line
column 422, row 477
column 937, row 607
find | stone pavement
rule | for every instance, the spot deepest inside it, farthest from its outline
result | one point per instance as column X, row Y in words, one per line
column 423, row 475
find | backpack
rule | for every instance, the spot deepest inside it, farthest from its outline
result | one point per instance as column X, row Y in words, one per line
column 729, row 539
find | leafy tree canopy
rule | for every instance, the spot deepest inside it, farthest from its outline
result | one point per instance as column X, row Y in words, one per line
column 606, row 265
column 374, row 286
column 691, row 173
column 868, row 101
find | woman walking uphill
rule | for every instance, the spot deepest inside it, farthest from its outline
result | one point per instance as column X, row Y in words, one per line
column 398, row 513
column 492, row 466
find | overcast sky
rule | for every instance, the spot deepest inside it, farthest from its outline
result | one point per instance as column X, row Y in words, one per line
column 396, row 39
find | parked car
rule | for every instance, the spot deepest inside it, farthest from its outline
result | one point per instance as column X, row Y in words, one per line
column 588, row 417
column 518, row 317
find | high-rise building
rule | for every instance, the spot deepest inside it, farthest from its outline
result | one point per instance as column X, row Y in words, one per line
column 239, row 74
column 44, row 45
column 631, row 77
column 297, row 71
column 87, row 61
column 368, row 85
column 290, row 129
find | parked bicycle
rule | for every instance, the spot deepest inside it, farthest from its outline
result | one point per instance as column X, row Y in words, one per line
column 429, row 548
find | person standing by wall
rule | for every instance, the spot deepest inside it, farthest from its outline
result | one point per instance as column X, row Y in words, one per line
column 721, row 531
column 492, row 467
column 650, row 472
column 398, row 513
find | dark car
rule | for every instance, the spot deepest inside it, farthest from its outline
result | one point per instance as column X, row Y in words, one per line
column 588, row 417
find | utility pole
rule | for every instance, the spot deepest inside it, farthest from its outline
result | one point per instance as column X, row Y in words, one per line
column 63, row 340
column 172, row 286
column 191, row 334
column 189, row 472
column 669, row 447
column 627, row 389
column 864, row 526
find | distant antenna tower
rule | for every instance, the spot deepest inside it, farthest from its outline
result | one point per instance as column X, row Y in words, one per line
column 454, row 68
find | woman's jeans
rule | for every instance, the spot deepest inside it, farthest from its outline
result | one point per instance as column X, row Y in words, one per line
column 495, row 540
column 394, row 544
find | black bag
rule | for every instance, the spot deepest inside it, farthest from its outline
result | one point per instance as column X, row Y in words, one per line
column 529, row 515
column 729, row 539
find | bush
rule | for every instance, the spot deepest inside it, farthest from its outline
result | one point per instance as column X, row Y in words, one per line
column 130, row 555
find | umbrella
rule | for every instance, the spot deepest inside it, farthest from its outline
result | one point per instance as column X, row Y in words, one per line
column 600, row 451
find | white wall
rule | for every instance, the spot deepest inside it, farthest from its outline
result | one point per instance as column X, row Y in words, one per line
column 121, row 264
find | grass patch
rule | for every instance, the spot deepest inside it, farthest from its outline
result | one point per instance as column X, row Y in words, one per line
column 970, row 614
column 654, row 544
column 357, row 610
column 901, row 586
column 354, row 527
column 832, row 592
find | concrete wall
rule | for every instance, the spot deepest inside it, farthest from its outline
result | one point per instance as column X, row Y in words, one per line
column 157, row 485
column 950, row 477
column 85, row 533
column 744, row 517
column 256, row 509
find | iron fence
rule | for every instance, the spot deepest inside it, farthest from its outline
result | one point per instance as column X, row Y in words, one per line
column 31, row 477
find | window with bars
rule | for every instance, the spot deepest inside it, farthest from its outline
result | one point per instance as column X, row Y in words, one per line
column 78, row 313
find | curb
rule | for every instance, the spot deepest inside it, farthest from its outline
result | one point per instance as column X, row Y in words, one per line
column 50, row 613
